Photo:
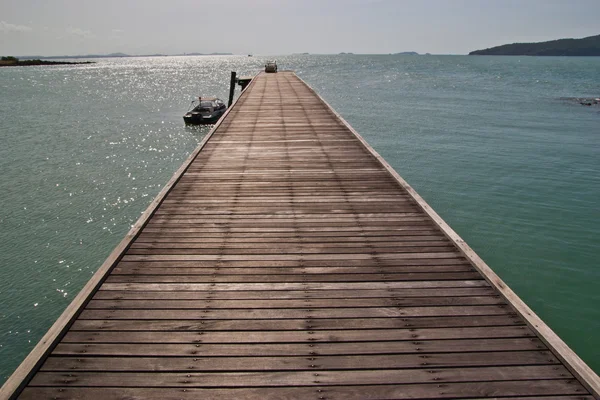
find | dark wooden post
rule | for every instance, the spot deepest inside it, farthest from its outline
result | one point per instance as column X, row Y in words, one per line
column 231, row 88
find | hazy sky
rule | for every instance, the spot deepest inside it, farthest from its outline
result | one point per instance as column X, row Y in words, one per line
column 271, row 27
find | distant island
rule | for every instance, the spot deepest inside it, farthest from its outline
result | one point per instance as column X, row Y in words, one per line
column 15, row 62
column 202, row 54
column 120, row 55
column 589, row 46
column 407, row 53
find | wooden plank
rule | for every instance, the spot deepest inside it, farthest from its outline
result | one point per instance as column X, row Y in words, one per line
column 299, row 378
column 348, row 262
column 297, row 349
column 300, row 230
column 363, row 335
column 285, row 313
column 292, row 198
column 567, row 388
column 278, row 257
column 292, row 247
column 128, row 269
column 291, row 286
column 343, row 237
column 371, row 362
column 295, row 324
column 271, row 295
column 257, row 212
column 366, row 234
column 293, row 303
column 208, row 210
column 293, row 250
column 290, row 278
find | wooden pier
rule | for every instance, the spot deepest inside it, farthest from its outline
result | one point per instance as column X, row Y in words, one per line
column 286, row 260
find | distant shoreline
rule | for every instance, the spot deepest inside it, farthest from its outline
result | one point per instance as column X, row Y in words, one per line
column 24, row 63
column 119, row 55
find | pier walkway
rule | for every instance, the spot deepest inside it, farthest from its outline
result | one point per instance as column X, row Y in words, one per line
column 286, row 260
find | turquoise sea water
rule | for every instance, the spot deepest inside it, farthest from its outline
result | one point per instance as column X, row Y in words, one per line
column 487, row 141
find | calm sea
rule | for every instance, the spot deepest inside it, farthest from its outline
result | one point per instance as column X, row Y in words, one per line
column 487, row 141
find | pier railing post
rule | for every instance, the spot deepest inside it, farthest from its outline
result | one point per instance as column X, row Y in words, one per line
column 231, row 88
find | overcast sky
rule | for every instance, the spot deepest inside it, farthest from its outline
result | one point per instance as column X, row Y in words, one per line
column 272, row 27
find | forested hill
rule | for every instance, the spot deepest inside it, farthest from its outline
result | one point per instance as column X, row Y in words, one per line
column 589, row 46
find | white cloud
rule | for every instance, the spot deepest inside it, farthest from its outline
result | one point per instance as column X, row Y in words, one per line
column 6, row 27
column 82, row 33
column 118, row 31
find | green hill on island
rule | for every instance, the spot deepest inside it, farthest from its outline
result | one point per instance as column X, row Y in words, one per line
column 589, row 46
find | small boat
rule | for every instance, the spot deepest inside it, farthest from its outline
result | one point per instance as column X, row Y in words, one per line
column 205, row 110
column 271, row 66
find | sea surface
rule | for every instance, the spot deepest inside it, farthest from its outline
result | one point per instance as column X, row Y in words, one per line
column 490, row 142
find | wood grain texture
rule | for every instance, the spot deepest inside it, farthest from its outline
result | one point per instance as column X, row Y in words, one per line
column 288, row 260
column 533, row 389
column 246, row 364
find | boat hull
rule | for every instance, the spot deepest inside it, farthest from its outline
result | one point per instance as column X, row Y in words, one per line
column 197, row 119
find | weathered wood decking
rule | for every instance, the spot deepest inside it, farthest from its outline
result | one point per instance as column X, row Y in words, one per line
column 286, row 260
